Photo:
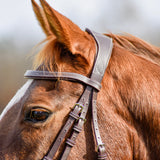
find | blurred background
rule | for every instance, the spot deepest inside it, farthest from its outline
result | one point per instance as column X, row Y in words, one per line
column 20, row 32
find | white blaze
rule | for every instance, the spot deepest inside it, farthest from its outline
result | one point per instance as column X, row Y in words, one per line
column 20, row 93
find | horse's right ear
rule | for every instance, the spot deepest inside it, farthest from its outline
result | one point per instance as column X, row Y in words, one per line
column 65, row 31
column 41, row 17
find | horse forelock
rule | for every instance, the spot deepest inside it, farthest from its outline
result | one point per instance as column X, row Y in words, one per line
column 20, row 93
column 54, row 56
column 46, row 57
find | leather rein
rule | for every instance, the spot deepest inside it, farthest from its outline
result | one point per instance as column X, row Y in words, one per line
column 77, row 116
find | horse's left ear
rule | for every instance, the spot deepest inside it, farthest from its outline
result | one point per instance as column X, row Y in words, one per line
column 67, row 33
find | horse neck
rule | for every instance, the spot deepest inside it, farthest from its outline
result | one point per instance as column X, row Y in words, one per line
column 131, row 86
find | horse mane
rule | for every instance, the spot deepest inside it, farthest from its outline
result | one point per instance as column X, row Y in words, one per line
column 137, row 46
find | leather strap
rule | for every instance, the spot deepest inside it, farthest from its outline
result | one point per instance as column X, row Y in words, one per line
column 104, row 50
column 100, row 145
column 79, row 108
column 79, row 125
column 45, row 75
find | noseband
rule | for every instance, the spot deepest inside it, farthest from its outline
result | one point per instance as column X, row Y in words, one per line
column 77, row 116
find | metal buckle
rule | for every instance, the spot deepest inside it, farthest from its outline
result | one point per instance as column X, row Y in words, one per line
column 83, row 119
column 100, row 145
column 79, row 106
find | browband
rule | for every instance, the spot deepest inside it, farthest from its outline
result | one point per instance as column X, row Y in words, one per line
column 45, row 75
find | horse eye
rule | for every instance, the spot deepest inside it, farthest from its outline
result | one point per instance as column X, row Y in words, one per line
column 37, row 115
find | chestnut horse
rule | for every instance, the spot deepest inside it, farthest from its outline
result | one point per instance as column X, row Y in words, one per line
column 128, row 103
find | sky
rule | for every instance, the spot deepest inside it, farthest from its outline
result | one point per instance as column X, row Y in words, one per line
column 138, row 17
column 20, row 32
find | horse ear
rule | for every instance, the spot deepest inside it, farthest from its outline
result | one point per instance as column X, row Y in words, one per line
column 41, row 17
column 65, row 30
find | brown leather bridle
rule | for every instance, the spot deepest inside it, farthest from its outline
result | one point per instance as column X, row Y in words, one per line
column 77, row 116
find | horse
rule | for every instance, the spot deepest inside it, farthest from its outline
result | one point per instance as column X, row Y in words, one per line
column 128, row 103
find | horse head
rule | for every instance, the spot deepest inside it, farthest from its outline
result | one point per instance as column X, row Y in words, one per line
column 127, row 104
column 37, row 111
